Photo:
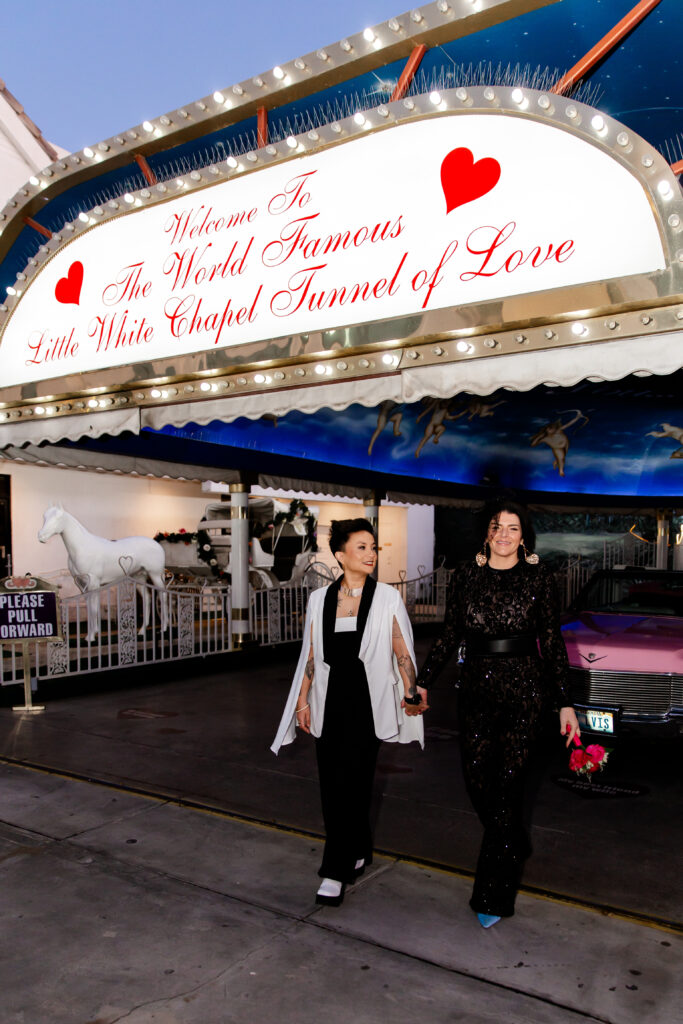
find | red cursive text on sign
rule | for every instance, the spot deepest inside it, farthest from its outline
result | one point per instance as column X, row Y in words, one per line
column 302, row 291
column 486, row 241
column 294, row 192
column 45, row 349
column 116, row 330
column 200, row 222
column 127, row 287
column 191, row 266
column 185, row 316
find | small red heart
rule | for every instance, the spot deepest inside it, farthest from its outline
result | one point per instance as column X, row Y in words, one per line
column 68, row 289
column 463, row 181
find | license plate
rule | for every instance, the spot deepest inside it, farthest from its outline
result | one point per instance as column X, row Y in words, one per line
column 597, row 721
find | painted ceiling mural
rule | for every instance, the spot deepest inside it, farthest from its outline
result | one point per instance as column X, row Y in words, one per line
column 597, row 438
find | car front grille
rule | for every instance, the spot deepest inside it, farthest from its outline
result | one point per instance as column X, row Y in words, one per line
column 635, row 692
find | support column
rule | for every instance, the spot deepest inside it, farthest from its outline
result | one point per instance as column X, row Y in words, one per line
column 371, row 512
column 239, row 562
column 662, row 540
column 678, row 547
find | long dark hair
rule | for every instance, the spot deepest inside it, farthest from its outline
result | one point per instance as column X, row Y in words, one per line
column 493, row 510
column 341, row 530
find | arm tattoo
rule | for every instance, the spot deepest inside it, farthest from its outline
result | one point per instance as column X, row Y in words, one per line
column 309, row 668
column 405, row 663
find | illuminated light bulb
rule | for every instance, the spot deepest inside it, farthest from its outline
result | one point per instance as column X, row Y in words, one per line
column 291, row 142
column 579, row 330
column 389, row 360
column 489, row 94
column 300, row 64
column 622, row 139
column 320, row 369
column 416, row 16
column 664, row 189
column 259, row 378
column 341, row 365
column 571, row 112
column 242, row 381
column 359, row 118
column 39, row 410
column 195, row 175
column 88, row 152
column 462, row 346
column 188, row 389
column 93, row 403
column 271, row 150
column 409, row 104
column 154, row 393
column 252, row 158
column 180, row 183
column 84, row 218
column 598, row 123
column 346, row 46
column 145, row 193
column 10, row 290
column 205, row 386
column 33, row 180
column 231, row 162
column 368, row 35
column 435, row 98
column 544, row 102
column 461, row 94
column 383, row 111
column 278, row 72
column 148, row 126
column 517, row 96
column 322, row 55
column 219, row 97
column 394, row 25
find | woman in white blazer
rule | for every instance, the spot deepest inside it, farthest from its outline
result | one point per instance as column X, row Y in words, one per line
column 353, row 687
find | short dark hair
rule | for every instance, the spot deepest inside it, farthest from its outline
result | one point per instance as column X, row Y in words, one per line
column 341, row 530
column 494, row 508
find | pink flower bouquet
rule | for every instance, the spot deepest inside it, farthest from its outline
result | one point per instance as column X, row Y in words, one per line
column 588, row 760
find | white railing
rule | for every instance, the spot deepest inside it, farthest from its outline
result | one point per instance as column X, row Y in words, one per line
column 628, row 550
column 425, row 596
column 572, row 576
column 199, row 623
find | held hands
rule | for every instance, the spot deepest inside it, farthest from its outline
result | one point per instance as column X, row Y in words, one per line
column 416, row 709
column 569, row 724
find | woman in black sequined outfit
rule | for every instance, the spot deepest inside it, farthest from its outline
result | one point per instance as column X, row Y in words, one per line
column 504, row 607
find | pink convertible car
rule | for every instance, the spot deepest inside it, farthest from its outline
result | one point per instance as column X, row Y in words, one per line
column 624, row 637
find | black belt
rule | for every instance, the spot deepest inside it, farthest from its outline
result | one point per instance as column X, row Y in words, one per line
column 479, row 646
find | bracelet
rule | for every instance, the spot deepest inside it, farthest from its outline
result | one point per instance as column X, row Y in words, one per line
column 297, row 710
column 413, row 700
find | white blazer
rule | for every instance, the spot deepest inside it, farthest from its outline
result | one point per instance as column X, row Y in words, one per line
column 381, row 668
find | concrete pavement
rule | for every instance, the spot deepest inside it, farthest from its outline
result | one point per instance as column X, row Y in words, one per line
column 121, row 907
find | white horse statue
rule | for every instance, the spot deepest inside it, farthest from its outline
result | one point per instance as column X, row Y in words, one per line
column 95, row 562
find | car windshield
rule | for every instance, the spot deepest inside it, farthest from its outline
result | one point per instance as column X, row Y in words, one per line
column 633, row 594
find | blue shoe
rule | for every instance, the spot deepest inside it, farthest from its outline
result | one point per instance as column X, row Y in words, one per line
column 487, row 920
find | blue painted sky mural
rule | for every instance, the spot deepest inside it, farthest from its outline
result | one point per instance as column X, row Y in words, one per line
column 622, row 438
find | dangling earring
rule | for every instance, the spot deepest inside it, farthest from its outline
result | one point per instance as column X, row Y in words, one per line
column 480, row 557
column 532, row 559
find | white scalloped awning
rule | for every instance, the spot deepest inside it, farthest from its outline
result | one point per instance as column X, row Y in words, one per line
column 659, row 354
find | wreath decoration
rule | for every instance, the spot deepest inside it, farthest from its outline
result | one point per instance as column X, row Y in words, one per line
column 205, row 549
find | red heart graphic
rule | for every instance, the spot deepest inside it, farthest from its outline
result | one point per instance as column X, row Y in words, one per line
column 68, row 289
column 463, row 181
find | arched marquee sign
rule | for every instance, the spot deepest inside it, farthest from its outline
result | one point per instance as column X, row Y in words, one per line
column 491, row 221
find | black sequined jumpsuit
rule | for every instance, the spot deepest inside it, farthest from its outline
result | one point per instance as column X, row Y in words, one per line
column 501, row 704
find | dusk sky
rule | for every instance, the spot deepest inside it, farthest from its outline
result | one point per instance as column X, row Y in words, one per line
column 85, row 70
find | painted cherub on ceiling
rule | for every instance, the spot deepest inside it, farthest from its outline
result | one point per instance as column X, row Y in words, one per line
column 555, row 436
column 669, row 430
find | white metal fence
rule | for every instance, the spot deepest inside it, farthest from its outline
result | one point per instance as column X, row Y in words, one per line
column 199, row 623
column 199, row 619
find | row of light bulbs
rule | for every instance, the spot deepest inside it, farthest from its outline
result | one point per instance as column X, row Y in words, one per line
column 364, row 120
column 386, row 362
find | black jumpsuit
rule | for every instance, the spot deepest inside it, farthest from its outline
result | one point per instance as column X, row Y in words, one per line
column 502, row 700
column 347, row 748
